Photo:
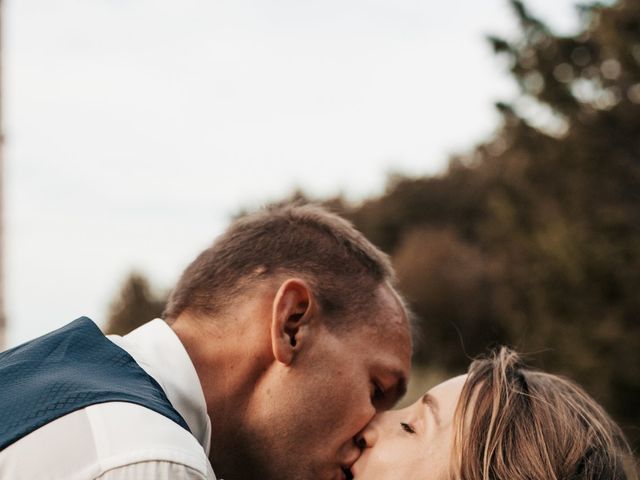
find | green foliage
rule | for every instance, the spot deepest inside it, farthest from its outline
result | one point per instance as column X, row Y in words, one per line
column 533, row 239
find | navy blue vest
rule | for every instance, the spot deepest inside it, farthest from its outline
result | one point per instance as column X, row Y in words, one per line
column 66, row 370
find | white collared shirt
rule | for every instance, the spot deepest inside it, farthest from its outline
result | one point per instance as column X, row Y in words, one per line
column 125, row 441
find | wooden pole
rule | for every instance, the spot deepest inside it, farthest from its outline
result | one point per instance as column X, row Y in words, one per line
column 3, row 323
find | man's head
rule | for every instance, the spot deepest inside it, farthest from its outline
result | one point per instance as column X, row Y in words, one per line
column 342, row 267
column 325, row 341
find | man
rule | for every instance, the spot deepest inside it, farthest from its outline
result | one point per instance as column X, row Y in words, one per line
column 281, row 342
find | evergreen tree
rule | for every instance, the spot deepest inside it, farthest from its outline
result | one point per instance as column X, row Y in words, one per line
column 134, row 305
column 543, row 219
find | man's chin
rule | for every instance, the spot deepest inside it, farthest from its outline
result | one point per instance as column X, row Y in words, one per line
column 244, row 464
column 236, row 461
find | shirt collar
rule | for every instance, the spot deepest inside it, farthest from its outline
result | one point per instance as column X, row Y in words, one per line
column 158, row 350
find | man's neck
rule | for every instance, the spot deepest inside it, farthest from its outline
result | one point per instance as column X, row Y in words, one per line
column 229, row 362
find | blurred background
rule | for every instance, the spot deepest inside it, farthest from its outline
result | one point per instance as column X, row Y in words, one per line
column 491, row 148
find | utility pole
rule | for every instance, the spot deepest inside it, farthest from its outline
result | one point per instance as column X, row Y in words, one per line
column 3, row 321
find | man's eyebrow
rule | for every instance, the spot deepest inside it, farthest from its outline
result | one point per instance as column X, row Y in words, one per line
column 430, row 401
column 400, row 386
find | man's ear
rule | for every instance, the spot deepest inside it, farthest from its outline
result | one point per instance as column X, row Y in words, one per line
column 293, row 306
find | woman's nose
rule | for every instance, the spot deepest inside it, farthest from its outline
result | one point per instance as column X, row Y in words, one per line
column 368, row 437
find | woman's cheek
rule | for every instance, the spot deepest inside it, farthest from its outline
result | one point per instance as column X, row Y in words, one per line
column 392, row 458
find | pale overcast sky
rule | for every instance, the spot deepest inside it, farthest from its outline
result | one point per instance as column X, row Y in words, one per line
column 135, row 128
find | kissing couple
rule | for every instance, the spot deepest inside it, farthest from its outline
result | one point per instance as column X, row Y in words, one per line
column 282, row 350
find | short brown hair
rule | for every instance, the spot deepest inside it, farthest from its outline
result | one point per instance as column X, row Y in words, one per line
column 515, row 423
column 342, row 267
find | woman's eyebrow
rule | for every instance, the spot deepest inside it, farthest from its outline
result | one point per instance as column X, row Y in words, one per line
column 430, row 401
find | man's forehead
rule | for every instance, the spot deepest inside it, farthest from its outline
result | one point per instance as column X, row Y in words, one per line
column 386, row 311
column 389, row 299
column 385, row 337
column 391, row 319
column 389, row 347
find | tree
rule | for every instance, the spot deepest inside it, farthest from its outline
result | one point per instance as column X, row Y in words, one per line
column 533, row 238
column 134, row 305
column 543, row 218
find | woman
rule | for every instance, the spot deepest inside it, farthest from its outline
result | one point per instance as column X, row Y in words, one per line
column 501, row 421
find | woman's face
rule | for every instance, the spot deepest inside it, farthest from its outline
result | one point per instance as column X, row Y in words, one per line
column 412, row 443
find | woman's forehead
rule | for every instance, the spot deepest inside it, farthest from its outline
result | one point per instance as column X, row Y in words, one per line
column 443, row 398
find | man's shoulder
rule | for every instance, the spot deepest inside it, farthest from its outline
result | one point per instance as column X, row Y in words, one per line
column 120, row 427
column 95, row 439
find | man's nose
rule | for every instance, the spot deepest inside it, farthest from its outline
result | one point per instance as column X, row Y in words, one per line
column 351, row 453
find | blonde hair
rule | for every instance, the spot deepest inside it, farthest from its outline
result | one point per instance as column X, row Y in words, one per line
column 515, row 423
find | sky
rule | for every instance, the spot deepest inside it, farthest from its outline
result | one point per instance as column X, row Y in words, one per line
column 136, row 128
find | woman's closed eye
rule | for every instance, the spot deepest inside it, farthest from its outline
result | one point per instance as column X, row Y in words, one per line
column 407, row 428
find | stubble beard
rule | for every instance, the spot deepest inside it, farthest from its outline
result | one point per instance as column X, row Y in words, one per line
column 247, row 455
